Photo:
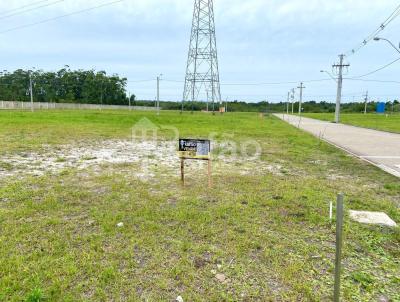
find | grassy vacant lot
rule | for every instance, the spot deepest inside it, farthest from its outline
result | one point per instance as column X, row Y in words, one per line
column 266, row 234
column 374, row 121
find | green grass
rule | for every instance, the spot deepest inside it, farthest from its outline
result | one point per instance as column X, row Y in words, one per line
column 269, row 234
column 390, row 122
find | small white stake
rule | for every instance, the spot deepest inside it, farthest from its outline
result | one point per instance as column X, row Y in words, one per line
column 330, row 211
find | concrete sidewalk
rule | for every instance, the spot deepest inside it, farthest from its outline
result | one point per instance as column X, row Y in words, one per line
column 379, row 148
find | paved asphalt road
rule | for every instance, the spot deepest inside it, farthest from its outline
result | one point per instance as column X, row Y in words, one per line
column 377, row 147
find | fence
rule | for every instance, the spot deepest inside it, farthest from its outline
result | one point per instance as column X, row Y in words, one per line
column 9, row 105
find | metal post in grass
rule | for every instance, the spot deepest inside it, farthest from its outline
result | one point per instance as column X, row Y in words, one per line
column 339, row 239
column 31, row 89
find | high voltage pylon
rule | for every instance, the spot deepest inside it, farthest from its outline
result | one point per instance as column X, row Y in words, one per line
column 202, row 73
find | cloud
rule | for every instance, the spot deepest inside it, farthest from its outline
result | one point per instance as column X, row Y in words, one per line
column 258, row 40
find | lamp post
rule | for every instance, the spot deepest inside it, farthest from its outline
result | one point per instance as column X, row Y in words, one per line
column 287, row 104
column 158, row 93
column 391, row 44
column 383, row 39
column 292, row 97
column 329, row 74
column 31, row 88
column 339, row 67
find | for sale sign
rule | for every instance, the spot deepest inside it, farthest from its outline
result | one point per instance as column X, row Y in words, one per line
column 194, row 148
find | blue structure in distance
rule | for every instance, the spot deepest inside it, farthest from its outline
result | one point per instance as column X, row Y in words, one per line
column 380, row 108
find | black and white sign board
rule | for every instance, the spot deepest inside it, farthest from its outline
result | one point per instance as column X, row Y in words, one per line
column 199, row 149
column 194, row 149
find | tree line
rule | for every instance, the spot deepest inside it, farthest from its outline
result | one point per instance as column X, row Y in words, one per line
column 63, row 86
column 96, row 87
column 269, row 107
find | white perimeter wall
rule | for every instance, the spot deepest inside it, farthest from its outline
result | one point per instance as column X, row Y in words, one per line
column 25, row 105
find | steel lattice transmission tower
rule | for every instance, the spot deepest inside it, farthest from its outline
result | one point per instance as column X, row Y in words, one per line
column 202, row 74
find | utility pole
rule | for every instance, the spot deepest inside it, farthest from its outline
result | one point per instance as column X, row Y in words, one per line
column 287, row 104
column 293, row 91
column 366, row 102
column 101, row 99
column 101, row 96
column 129, row 94
column 339, row 88
column 158, row 94
column 301, row 87
column 31, row 89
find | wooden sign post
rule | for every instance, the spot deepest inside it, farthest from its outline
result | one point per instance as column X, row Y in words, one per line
column 195, row 149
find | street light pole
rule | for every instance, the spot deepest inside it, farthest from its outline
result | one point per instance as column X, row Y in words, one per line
column 301, row 87
column 390, row 42
column 293, row 92
column 31, row 89
column 366, row 103
column 329, row 74
column 158, row 94
column 287, row 103
column 379, row 39
column 339, row 87
column 101, row 96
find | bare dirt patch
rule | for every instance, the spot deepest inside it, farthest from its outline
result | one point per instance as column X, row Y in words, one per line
column 150, row 158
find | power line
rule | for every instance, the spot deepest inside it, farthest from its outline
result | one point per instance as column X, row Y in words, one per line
column 141, row 81
column 22, row 7
column 382, row 27
column 350, row 79
column 377, row 70
column 173, row 81
column 334, row 95
column 61, row 16
column 375, row 81
column 30, row 9
column 273, row 83
column 259, row 84
column 289, row 82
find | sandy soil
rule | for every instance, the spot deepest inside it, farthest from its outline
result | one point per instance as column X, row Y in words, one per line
column 150, row 158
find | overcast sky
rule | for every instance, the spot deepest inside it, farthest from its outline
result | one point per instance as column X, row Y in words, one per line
column 258, row 41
